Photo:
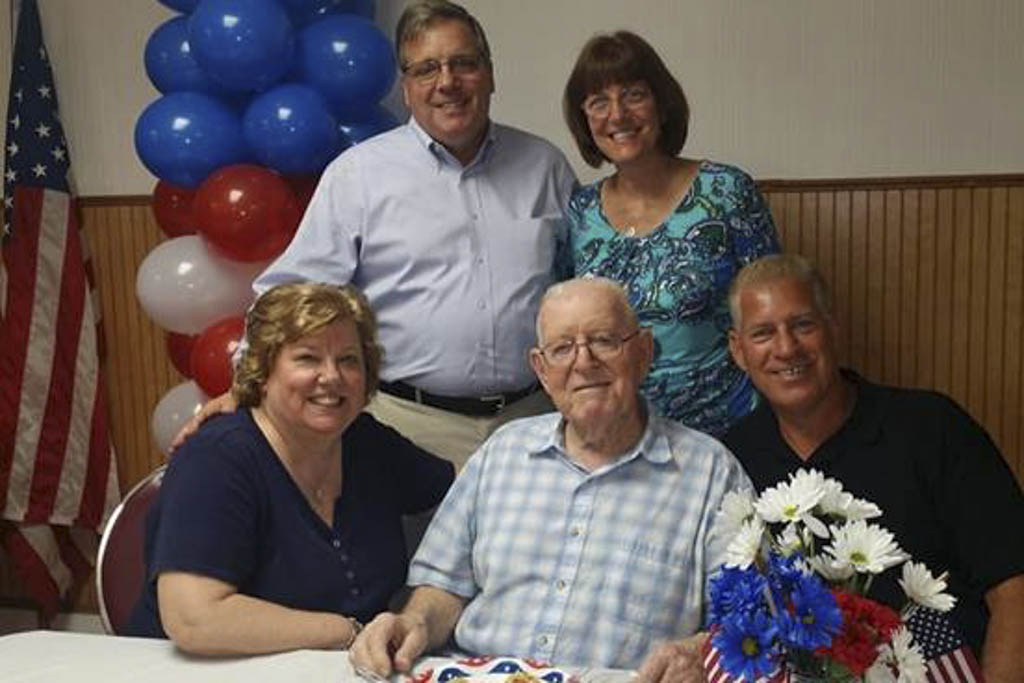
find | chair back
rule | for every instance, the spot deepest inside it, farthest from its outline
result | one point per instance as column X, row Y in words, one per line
column 120, row 565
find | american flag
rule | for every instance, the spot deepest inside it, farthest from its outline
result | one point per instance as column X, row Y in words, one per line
column 58, row 474
column 948, row 658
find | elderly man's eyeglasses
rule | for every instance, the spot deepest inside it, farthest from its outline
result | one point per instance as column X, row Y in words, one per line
column 428, row 70
column 634, row 97
column 601, row 346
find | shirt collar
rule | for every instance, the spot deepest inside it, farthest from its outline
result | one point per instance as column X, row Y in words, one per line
column 445, row 158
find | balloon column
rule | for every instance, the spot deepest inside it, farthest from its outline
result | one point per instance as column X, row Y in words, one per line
column 256, row 98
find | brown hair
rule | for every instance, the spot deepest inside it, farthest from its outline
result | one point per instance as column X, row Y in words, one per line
column 618, row 58
column 286, row 313
column 779, row 267
column 420, row 16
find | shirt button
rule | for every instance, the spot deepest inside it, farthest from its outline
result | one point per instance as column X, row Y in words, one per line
column 574, row 532
column 343, row 556
column 543, row 640
column 480, row 304
column 354, row 591
column 350, row 575
column 560, row 585
column 336, row 543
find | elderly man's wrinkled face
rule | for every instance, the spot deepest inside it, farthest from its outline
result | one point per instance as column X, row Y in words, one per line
column 591, row 359
column 451, row 103
column 786, row 344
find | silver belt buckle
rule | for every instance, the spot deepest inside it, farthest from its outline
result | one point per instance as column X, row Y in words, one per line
column 497, row 398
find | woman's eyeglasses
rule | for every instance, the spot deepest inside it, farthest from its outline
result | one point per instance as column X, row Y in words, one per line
column 634, row 97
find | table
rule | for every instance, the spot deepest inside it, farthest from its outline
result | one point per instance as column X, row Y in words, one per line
column 66, row 657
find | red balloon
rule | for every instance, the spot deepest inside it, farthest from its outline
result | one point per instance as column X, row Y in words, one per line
column 179, row 348
column 303, row 186
column 211, row 364
column 247, row 212
column 172, row 207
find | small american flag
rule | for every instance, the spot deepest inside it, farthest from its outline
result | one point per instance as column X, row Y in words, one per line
column 58, row 475
column 948, row 658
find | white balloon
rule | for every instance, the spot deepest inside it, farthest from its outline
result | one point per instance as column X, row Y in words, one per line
column 184, row 287
column 176, row 408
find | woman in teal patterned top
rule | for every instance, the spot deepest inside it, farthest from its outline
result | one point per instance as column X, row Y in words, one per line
column 673, row 231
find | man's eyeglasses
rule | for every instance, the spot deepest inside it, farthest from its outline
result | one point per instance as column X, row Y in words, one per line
column 599, row 105
column 601, row 347
column 428, row 70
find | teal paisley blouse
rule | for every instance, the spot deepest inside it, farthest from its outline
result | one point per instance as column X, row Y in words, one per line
column 677, row 278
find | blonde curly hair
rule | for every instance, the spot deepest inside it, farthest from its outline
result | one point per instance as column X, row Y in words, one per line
column 286, row 313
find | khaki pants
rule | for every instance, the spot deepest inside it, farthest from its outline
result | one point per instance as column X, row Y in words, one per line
column 450, row 435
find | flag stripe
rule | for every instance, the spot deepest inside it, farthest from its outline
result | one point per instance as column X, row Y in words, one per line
column 20, row 257
column 57, row 328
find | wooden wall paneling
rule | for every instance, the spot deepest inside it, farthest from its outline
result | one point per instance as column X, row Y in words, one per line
column 876, row 286
column 809, row 225
column 961, row 338
column 909, row 275
column 841, row 281
column 858, row 334
column 926, row 303
column 1013, row 333
column 944, row 286
column 976, row 322
column 893, row 302
column 995, row 301
column 137, row 368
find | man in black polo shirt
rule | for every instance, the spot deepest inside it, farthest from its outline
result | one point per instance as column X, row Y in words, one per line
column 942, row 485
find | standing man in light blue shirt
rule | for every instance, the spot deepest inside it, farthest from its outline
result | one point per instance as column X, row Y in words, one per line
column 582, row 537
column 453, row 227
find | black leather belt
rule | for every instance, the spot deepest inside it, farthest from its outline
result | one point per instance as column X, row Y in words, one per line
column 472, row 405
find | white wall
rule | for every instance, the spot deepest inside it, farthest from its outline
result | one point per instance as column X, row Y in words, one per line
column 785, row 88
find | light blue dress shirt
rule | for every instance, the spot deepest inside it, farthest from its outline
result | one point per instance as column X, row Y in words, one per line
column 575, row 567
column 453, row 259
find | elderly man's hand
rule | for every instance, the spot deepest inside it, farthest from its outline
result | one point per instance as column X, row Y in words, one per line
column 225, row 403
column 675, row 662
column 403, row 634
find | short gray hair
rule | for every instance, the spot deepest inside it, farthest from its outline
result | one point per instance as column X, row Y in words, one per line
column 779, row 267
column 614, row 288
column 420, row 16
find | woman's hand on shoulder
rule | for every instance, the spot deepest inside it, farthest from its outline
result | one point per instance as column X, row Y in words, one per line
column 220, row 405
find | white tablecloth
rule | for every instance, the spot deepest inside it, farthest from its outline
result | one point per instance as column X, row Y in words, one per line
column 65, row 657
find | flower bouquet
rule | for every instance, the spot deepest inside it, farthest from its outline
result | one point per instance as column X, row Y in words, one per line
column 789, row 601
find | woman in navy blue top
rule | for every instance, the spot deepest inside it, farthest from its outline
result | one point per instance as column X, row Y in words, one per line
column 279, row 526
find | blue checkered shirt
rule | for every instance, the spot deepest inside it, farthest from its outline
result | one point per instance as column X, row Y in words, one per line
column 573, row 567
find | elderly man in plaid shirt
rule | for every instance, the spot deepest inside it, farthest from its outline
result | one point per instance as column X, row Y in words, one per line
column 583, row 537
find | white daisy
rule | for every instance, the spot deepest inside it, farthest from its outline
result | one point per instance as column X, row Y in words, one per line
column 794, row 501
column 881, row 670
column 868, row 547
column 743, row 549
column 839, row 503
column 924, row 589
column 789, row 541
column 833, row 571
column 907, row 658
column 737, row 507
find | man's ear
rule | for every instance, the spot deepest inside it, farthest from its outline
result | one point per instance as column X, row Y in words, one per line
column 736, row 349
column 539, row 368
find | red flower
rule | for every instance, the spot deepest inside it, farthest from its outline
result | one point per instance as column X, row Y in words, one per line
column 866, row 625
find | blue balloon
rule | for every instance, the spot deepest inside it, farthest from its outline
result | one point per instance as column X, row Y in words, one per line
column 291, row 129
column 242, row 44
column 185, row 6
column 184, row 136
column 305, row 12
column 170, row 64
column 359, row 124
column 347, row 59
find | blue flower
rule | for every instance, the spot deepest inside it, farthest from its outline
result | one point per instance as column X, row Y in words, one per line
column 814, row 617
column 736, row 591
column 783, row 575
column 747, row 646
